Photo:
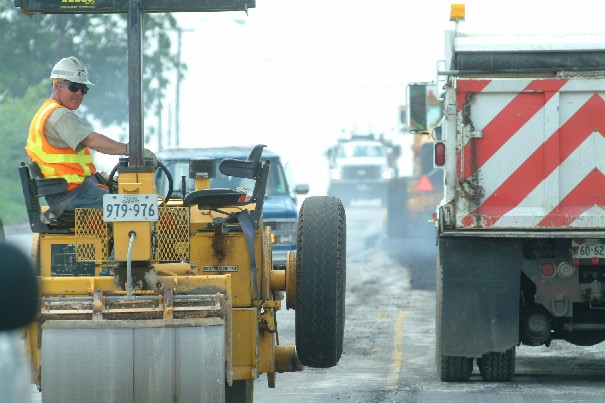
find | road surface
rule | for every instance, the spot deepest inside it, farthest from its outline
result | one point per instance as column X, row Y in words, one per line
column 389, row 343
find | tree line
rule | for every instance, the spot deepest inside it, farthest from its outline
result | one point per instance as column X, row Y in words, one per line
column 29, row 48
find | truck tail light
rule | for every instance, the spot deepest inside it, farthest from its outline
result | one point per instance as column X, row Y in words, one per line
column 547, row 270
column 440, row 154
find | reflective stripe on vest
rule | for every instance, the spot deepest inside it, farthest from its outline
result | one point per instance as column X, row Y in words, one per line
column 55, row 162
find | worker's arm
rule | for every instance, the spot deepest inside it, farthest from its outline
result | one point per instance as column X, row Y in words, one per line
column 103, row 144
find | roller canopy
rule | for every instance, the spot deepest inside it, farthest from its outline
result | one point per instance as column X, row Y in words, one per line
column 121, row 6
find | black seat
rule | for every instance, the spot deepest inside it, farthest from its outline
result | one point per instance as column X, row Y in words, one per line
column 36, row 186
column 46, row 186
column 251, row 168
column 208, row 199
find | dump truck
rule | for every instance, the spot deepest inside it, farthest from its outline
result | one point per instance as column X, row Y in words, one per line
column 521, row 247
column 158, row 298
column 411, row 200
column 361, row 167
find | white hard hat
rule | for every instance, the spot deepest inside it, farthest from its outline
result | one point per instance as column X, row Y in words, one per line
column 70, row 69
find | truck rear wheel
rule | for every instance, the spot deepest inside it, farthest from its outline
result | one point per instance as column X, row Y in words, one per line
column 497, row 367
column 456, row 369
column 320, row 281
column 450, row 368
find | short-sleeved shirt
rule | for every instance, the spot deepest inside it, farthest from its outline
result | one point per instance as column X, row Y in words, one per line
column 64, row 129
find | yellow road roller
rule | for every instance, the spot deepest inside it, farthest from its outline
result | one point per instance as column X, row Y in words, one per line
column 155, row 298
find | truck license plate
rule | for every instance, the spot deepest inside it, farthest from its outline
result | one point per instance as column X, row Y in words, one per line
column 587, row 248
column 134, row 207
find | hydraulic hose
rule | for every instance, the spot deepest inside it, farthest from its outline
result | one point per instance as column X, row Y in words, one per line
column 132, row 235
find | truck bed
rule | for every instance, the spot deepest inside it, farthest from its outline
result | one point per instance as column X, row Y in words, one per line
column 530, row 153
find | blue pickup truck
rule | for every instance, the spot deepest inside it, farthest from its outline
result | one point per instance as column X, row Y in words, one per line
column 280, row 209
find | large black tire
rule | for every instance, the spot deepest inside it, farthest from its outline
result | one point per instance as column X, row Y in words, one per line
column 456, row 369
column 497, row 367
column 320, row 281
column 451, row 369
column 239, row 392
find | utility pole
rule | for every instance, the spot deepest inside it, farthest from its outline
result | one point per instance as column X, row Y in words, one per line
column 160, row 133
column 177, row 118
column 178, row 89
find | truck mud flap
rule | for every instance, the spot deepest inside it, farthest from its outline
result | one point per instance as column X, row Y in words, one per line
column 480, row 280
column 180, row 360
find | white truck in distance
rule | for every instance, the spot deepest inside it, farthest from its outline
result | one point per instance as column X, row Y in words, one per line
column 520, row 230
column 361, row 167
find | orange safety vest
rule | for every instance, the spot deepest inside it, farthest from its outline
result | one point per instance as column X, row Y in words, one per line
column 57, row 162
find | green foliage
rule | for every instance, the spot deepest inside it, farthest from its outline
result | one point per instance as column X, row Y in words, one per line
column 15, row 117
column 29, row 48
column 32, row 45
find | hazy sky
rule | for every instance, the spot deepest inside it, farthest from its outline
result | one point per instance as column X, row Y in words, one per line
column 295, row 75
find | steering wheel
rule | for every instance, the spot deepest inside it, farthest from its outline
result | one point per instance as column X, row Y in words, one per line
column 161, row 166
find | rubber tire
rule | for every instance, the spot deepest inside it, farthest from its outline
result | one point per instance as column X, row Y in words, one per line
column 451, row 369
column 456, row 369
column 239, row 392
column 497, row 367
column 320, row 281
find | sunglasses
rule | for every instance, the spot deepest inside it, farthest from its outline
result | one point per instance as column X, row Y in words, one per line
column 75, row 87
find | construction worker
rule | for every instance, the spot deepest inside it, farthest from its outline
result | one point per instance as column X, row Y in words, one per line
column 60, row 142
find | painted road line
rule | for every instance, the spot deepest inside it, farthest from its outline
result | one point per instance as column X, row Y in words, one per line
column 393, row 379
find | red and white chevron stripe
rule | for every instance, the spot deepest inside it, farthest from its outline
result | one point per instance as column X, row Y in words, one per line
column 540, row 157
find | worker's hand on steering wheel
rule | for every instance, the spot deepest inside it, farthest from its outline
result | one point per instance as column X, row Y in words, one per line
column 148, row 154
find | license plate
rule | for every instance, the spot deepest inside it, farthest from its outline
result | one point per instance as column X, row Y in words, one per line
column 135, row 207
column 587, row 248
